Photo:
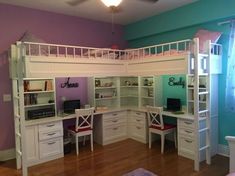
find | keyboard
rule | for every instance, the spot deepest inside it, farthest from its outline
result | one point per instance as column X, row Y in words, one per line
column 178, row 112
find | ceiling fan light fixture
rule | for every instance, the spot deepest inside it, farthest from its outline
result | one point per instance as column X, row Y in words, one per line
column 111, row 3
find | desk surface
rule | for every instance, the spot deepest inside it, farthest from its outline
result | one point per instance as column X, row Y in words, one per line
column 97, row 113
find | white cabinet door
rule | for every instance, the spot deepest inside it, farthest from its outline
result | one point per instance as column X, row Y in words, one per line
column 52, row 147
column 138, row 126
column 32, row 144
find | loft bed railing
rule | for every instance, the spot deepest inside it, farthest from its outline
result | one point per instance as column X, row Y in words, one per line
column 216, row 49
column 68, row 51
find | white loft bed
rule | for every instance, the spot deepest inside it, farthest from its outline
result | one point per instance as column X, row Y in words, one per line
column 42, row 59
column 37, row 60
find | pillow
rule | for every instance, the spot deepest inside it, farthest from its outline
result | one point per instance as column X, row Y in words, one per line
column 205, row 35
column 34, row 50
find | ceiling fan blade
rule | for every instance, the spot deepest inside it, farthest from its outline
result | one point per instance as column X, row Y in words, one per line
column 75, row 2
column 150, row 1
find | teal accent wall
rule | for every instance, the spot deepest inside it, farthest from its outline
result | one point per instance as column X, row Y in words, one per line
column 201, row 11
column 183, row 23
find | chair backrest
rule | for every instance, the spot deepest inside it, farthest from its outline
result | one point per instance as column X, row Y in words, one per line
column 155, row 116
column 84, row 118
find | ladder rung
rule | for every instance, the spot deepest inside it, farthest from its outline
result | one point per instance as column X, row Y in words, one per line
column 19, row 152
column 16, row 97
column 203, row 74
column 18, row 134
column 17, row 116
column 202, row 118
column 203, row 111
column 202, row 130
column 203, row 148
column 203, row 55
column 203, row 93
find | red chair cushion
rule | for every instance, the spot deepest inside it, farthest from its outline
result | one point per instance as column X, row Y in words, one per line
column 166, row 127
column 79, row 130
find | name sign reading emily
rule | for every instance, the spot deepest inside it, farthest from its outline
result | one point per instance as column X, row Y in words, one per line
column 174, row 82
column 68, row 84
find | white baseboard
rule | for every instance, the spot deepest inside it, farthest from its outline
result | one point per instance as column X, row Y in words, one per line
column 223, row 150
column 7, row 154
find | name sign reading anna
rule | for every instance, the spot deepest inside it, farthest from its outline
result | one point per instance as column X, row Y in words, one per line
column 68, row 84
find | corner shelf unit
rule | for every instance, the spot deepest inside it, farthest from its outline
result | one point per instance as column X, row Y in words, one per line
column 147, row 91
column 129, row 91
column 126, row 91
column 104, row 92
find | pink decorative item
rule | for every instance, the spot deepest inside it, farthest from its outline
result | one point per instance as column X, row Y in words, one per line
column 140, row 172
column 205, row 35
column 231, row 174
column 114, row 46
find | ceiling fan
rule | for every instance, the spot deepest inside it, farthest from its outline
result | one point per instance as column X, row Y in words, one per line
column 112, row 4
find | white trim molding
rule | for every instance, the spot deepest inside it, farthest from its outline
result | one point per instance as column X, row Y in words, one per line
column 7, row 154
column 223, row 150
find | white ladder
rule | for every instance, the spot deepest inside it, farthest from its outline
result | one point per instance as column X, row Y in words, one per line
column 19, row 113
column 202, row 112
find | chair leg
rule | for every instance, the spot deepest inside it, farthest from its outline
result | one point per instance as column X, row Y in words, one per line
column 91, row 139
column 84, row 140
column 77, row 149
column 150, row 139
column 162, row 143
column 175, row 136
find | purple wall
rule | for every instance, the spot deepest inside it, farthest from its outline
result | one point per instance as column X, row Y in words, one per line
column 71, row 93
column 52, row 28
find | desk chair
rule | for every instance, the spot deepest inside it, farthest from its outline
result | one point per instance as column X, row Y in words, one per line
column 156, row 125
column 83, row 126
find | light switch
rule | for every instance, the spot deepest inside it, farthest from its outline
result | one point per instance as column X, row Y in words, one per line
column 6, row 97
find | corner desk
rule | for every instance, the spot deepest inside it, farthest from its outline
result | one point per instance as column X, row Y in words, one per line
column 44, row 137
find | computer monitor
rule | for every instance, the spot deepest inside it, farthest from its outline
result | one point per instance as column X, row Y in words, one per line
column 173, row 104
column 71, row 105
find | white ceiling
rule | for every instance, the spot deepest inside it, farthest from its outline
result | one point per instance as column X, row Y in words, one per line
column 131, row 10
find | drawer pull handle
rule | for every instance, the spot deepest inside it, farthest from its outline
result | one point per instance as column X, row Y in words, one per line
column 114, row 121
column 115, row 128
column 188, row 123
column 188, row 141
column 138, row 128
column 115, row 114
column 138, row 113
column 188, row 131
column 138, row 120
column 51, row 134
column 51, row 125
column 51, row 143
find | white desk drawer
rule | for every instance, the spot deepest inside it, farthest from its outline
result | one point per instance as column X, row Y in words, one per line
column 138, row 131
column 115, row 131
column 107, row 116
column 50, row 126
column 113, row 121
column 138, row 114
column 186, row 144
column 186, row 132
column 51, row 147
column 138, row 120
column 49, row 135
column 186, row 123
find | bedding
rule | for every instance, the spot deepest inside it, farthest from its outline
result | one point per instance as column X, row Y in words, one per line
column 34, row 50
column 205, row 35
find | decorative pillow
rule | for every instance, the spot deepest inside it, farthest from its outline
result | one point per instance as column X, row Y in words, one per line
column 34, row 49
column 205, row 35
